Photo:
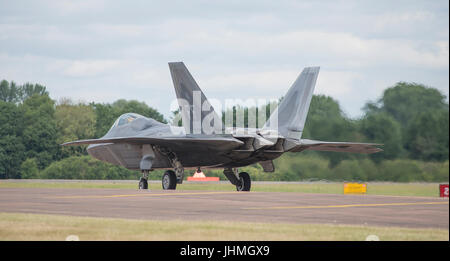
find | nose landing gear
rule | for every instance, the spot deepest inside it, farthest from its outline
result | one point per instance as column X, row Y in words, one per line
column 143, row 184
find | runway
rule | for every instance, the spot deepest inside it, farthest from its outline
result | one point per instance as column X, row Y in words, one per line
column 272, row 207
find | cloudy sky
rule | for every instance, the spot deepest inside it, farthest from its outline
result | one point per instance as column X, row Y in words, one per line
column 101, row 51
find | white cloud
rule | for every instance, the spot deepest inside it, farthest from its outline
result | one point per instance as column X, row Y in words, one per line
column 97, row 50
column 258, row 82
column 90, row 68
column 70, row 7
column 338, row 48
column 396, row 20
column 337, row 84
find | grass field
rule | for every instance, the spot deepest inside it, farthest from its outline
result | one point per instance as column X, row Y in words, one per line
column 375, row 188
column 15, row 226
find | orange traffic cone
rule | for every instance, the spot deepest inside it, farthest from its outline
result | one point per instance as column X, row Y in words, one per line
column 200, row 176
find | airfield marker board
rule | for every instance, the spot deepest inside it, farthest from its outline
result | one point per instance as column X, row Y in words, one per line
column 443, row 190
column 355, row 188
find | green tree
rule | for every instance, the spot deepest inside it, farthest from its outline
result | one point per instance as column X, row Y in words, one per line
column 104, row 118
column 27, row 90
column 349, row 170
column 12, row 150
column 10, row 92
column 29, row 169
column 405, row 101
column 382, row 128
column 401, row 170
column 326, row 121
column 427, row 136
column 40, row 130
column 12, row 153
column 423, row 116
column 74, row 122
column 11, row 120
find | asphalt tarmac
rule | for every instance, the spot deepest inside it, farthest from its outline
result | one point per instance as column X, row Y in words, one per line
column 273, row 207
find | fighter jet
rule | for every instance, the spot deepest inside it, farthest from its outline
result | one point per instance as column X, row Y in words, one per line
column 140, row 143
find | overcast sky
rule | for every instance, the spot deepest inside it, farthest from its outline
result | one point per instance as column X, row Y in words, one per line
column 102, row 51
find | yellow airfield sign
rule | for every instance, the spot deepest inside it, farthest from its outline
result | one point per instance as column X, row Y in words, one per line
column 355, row 188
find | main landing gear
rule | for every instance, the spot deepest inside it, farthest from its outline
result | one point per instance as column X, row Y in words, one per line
column 169, row 180
column 241, row 180
column 245, row 182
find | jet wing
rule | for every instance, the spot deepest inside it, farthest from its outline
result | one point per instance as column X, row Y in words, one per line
column 318, row 145
column 211, row 142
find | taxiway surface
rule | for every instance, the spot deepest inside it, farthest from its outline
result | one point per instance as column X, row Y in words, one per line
column 274, row 207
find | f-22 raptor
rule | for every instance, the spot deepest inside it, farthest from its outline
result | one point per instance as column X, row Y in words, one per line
column 140, row 143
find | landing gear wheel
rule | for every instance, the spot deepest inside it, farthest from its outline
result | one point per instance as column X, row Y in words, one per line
column 169, row 180
column 245, row 182
column 143, row 184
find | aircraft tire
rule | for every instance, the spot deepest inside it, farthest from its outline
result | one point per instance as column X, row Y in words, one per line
column 143, row 184
column 245, row 182
column 169, row 180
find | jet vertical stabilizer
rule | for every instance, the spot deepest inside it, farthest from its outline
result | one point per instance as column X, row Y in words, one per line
column 197, row 114
column 290, row 116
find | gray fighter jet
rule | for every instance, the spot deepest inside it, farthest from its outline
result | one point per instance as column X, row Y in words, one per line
column 140, row 143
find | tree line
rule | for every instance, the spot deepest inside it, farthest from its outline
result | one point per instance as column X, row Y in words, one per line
column 410, row 119
column 32, row 127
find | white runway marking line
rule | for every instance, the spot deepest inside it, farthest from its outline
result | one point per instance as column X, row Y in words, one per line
column 349, row 205
column 146, row 195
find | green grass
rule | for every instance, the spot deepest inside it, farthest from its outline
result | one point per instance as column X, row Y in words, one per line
column 56, row 184
column 375, row 188
column 14, row 226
